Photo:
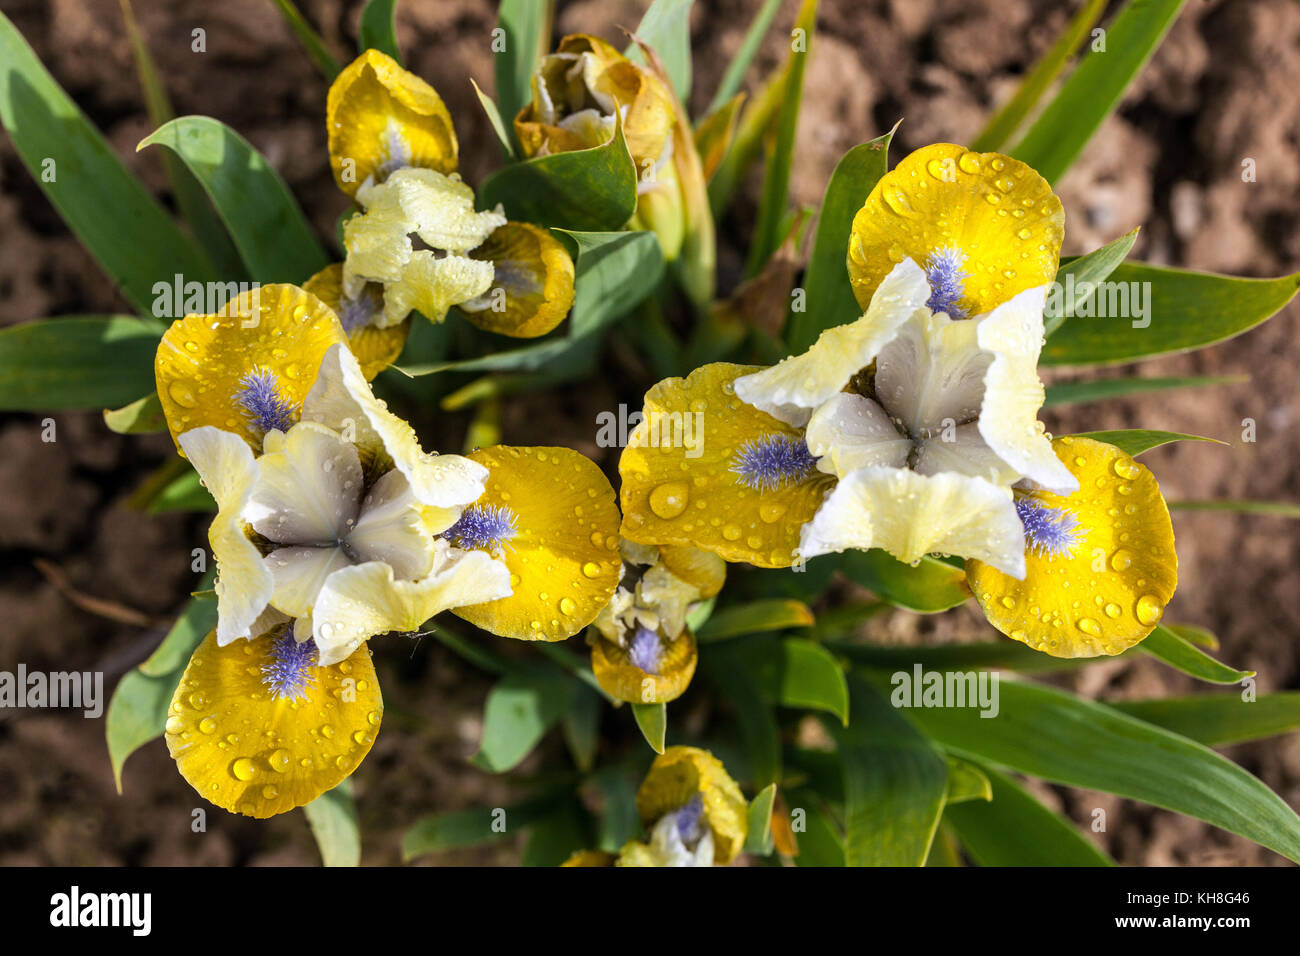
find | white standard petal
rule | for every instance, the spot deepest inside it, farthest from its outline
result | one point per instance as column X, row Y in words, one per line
column 931, row 375
column 1013, row 394
column 963, row 451
column 362, row 601
column 391, row 529
column 225, row 463
column 792, row 388
column 911, row 515
column 850, row 431
column 341, row 399
column 308, row 489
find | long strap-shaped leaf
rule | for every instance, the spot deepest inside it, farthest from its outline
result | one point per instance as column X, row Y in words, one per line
column 1014, row 829
column 1215, row 719
column 273, row 237
column 1050, row 734
column 894, row 784
column 84, row 361
column 1145, row 311
column 120, row 224
column 1095, row 88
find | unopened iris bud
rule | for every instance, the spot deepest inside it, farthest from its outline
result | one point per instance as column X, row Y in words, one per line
column 578, row 89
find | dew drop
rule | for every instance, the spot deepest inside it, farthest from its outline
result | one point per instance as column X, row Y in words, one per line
column 182, row 394
column 669, row 500
column 1126, row 468
column 1088, row 626
column 1148, row 609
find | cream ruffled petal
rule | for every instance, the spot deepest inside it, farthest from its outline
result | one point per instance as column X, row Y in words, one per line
column 308, row 487
column 794, row 387
column 300, row 573
column 1013, row 394
column 966, row 454
column 362, row 601
column 932, row 373
column 911, row 515
column 341, row 399
column 225, row 463
column 391, row 529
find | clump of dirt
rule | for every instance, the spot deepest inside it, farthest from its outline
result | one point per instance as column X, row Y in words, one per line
column 1221, row 96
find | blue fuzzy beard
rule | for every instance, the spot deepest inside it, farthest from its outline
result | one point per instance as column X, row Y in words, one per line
column 947, row 283
column 1049, row 532
column 689, row 819
column 644, row 650
column 259, row 396
column 772, row 462
column 360, row 312
column 482, row 528
column 290, row 672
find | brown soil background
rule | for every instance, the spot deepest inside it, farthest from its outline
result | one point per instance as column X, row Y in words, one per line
column 1225, row 86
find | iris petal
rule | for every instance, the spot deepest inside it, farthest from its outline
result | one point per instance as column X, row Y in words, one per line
column 680, row 493
column 563, row 558
column 998, row 213
column 380, row 118
column 249, row 751
column 244, row 584
column 1108, row 590
column 680, row 774
column 532, row 283
column 202, row 360
column 375, row 348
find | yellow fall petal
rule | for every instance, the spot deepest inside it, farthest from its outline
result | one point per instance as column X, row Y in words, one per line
column 678, row 774
column 532, row 283
column 1111, row 590
column 703, row 570
column 248, row 752
column 624, row 681
column 202, row 359
column 679, row 492
column 563, row 553
column 375, row 348
column 997, row 212
column 381, row 117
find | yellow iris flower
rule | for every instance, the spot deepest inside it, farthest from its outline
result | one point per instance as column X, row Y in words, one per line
column 642, row 652
column 903, row 430
column 331, row 536
column 334, row 526
column 695, row 813
column 1100, row 563
column 418, row 244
